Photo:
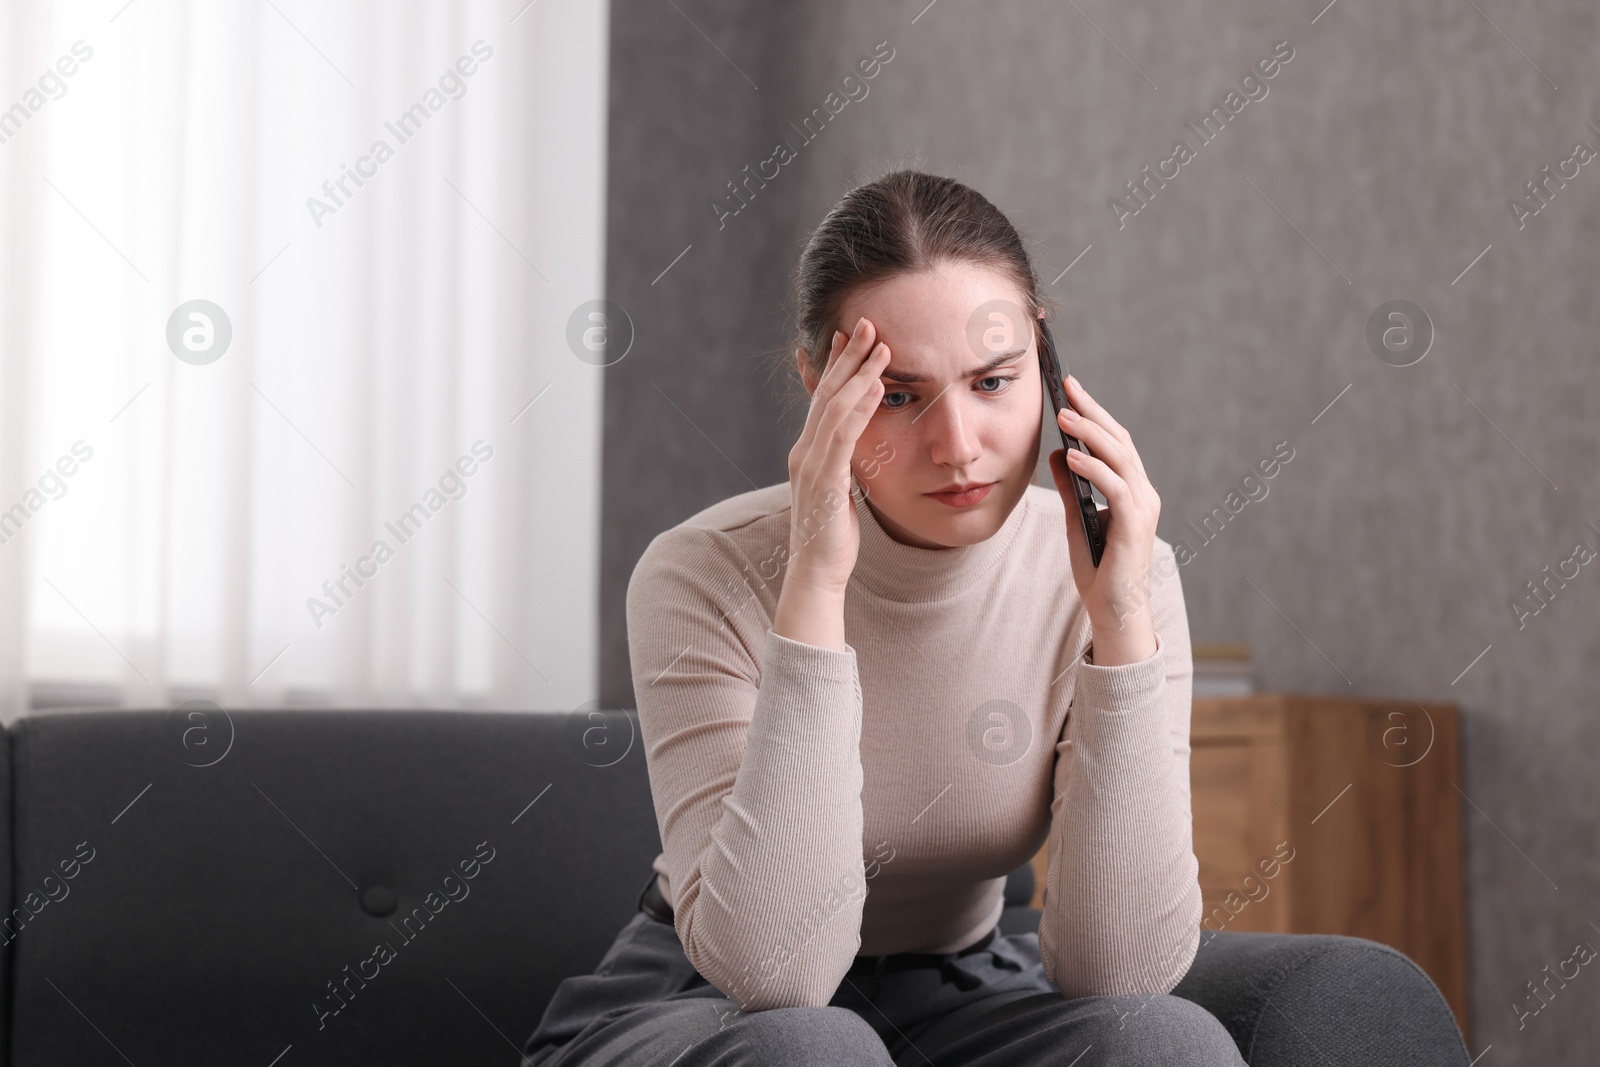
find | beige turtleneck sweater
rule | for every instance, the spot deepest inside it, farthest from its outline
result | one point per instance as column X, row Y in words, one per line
column 817, row 804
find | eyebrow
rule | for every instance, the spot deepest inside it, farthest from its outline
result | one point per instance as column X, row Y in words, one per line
column 998, row 361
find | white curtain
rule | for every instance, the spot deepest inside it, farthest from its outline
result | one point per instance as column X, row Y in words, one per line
column 178, row 524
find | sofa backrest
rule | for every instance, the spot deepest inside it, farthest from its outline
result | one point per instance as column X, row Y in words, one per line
column 298, row 887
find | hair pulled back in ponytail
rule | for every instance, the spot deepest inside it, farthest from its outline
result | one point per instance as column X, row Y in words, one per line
column 904, row 222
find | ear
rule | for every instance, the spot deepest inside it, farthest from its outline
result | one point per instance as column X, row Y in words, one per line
column 804, row 366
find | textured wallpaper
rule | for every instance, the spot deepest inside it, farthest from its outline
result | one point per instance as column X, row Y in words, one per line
column 1359, row 235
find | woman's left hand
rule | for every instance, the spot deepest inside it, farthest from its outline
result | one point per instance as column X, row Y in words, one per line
column 1117, row 593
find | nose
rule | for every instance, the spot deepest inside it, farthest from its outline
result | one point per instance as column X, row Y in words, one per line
column 953, row 442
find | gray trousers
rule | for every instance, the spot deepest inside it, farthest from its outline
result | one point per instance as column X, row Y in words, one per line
column 646, row 1004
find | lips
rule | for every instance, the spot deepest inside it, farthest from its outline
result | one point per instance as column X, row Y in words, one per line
column 963, row 498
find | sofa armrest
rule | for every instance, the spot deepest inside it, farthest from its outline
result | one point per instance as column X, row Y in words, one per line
column 1322, row 998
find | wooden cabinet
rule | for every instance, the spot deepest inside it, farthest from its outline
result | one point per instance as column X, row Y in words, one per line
column 1330, row 815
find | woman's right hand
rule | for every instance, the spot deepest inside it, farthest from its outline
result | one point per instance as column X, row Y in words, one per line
column 824, row 531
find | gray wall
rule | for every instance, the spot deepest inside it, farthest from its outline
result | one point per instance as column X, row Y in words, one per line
column 1220, row 320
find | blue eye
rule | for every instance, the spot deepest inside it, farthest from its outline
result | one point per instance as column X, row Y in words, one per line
column 986, row 392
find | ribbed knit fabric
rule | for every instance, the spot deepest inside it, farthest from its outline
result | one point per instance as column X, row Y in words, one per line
column 817, row 804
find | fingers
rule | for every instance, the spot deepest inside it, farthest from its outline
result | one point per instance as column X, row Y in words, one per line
column 1111, row 442
column 1112, row 485
column 1082, row 560
column 1101, row 442
column 1060, row 470
column 842, row 405
column 846, row 356
column 1090, row 407
column 847, row 413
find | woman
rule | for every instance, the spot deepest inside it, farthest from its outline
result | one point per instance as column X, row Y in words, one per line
column 838, row 817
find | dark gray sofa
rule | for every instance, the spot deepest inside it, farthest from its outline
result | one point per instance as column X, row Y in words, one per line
column 191, row 886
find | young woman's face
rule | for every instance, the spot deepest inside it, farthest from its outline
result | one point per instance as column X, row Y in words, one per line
column 962, row 403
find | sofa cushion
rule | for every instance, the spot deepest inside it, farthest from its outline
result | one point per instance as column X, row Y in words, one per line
column 364, row 886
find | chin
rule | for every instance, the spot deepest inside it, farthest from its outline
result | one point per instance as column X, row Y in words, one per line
column 928, row 520
column 952, row 527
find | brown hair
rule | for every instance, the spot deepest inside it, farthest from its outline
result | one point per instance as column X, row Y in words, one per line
column 906, row 221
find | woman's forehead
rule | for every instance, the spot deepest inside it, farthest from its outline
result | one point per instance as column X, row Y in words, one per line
column 942, row 321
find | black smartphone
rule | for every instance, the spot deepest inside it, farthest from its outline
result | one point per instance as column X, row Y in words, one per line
column 1054, row 374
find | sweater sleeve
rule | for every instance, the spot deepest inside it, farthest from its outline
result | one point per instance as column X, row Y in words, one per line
column 755, row 773
column 1122, row 900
